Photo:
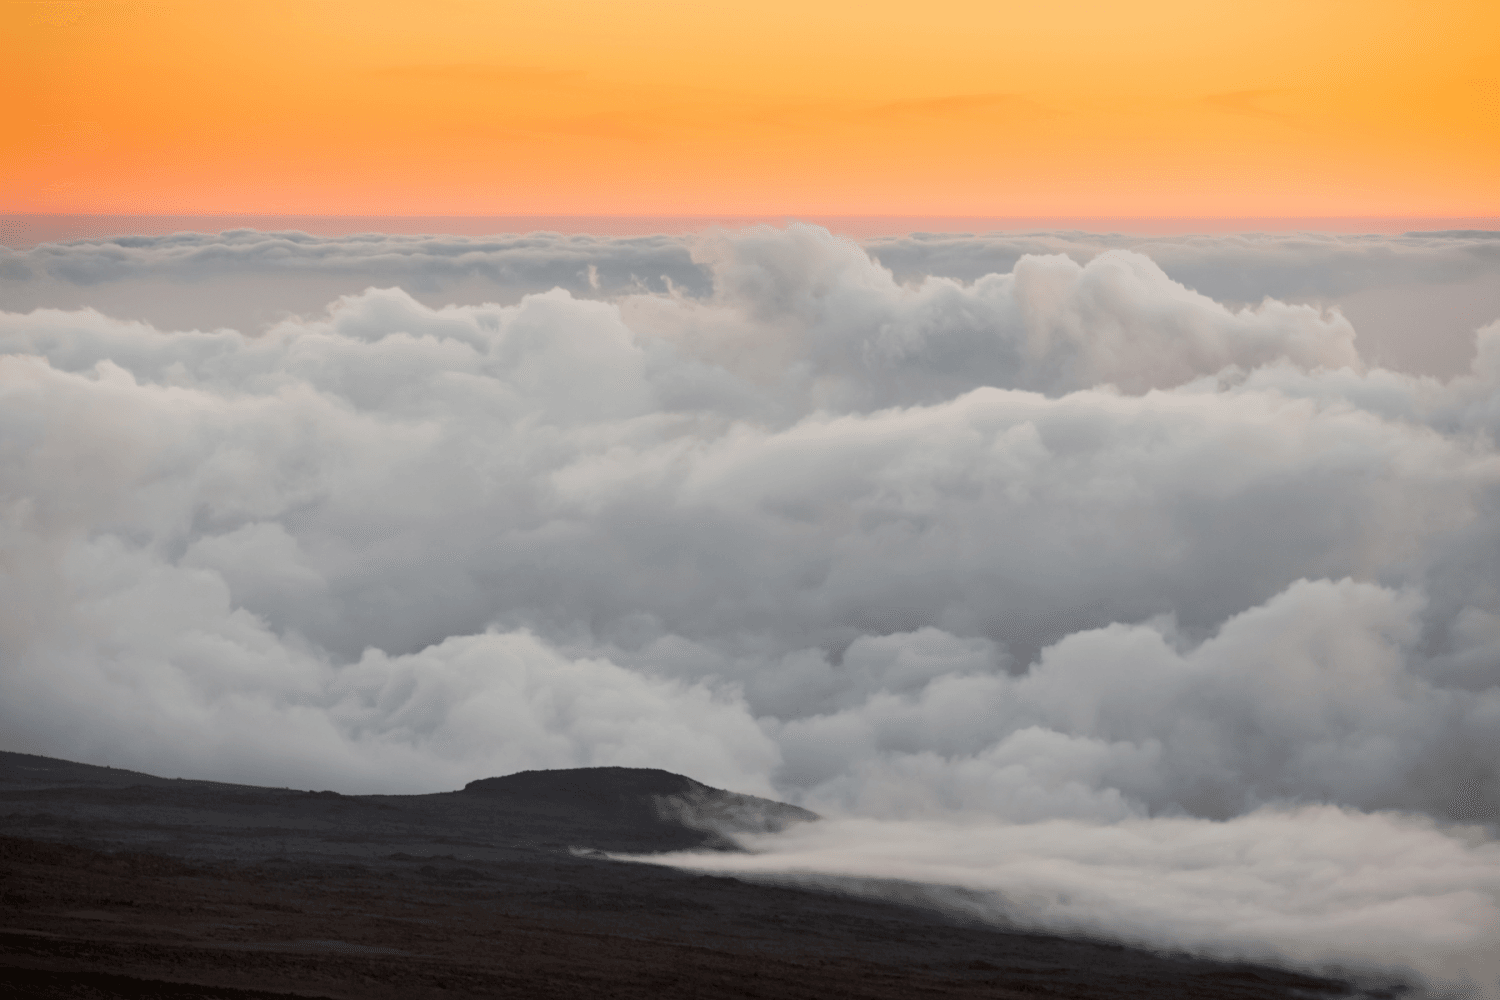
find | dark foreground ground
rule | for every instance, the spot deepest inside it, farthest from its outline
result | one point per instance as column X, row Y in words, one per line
column 115, row 883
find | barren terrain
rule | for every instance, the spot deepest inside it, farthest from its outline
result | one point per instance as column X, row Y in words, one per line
column 115, row 883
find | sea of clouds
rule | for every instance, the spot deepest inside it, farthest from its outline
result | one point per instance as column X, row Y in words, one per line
column 1128, row 585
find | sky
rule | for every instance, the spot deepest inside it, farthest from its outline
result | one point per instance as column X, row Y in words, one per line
column 583, row 107
column 1104, row 585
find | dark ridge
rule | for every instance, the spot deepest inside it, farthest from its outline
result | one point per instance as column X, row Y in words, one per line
column 28, row 768
column 644, row 796
column 589, row 785
column 115, row 883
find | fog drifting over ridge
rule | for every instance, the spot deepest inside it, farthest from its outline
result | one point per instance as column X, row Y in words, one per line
column 1190, row 600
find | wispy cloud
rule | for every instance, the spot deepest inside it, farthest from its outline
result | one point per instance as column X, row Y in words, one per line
column 1249, row 103
column 957, row 105
column 480, row 74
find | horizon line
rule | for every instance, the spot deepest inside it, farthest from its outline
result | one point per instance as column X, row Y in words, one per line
column 25, row 230
column 5, row 213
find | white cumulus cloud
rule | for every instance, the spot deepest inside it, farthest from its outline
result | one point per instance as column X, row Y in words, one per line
column 1068, row 550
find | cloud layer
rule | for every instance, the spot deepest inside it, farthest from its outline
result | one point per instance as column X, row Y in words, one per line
column 1062, row 542
column 1415, row 299
column 1372, row 896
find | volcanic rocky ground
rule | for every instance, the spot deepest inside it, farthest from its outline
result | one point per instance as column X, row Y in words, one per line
column 115, row 883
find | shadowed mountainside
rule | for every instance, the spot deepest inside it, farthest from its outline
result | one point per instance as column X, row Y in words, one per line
column 115, row 883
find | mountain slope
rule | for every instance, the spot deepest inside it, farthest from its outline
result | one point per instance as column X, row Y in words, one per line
column 117, row 884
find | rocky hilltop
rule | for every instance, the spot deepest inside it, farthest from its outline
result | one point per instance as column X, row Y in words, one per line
column 645, row 798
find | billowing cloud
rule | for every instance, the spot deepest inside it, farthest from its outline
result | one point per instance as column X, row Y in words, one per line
column 1415, row 299
column 1441, row 284
column 248, row 280
column 1067, row 545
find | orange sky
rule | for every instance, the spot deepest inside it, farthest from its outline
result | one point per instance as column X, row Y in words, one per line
column 1061, row 107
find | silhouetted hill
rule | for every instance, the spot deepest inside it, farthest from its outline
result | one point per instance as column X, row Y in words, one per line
column 591, row 785
column 644, row 798
column 28, row 769
column 121, row 884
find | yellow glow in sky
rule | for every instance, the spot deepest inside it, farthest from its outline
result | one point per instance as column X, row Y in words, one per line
column 1072, row 107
